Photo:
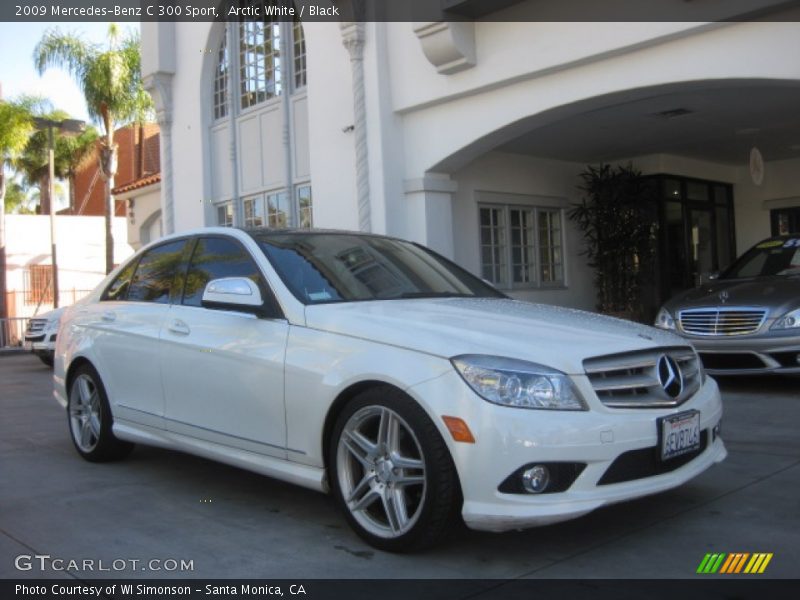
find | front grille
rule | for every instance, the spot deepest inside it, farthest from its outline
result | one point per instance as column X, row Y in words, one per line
column 631, row 379
column 36, row 326
column 721, row 321
column 645, row 462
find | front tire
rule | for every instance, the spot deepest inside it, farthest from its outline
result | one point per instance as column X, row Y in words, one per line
column 90, row 420
column 392, row 474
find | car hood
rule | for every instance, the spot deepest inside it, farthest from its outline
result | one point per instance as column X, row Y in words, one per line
column 557, row 337
column 779, row 294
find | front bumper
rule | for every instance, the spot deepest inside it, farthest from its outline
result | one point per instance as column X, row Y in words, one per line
column 509, row 438
column 42, row 344
column 749, row 355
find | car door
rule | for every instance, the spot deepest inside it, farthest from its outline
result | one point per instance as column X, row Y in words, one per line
column 126, row 324
column 223, row 369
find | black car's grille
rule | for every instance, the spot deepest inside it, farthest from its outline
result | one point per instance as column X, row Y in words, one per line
column 645, row 462
column 721, row 321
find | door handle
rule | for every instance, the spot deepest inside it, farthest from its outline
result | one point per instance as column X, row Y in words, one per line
column 178, row 327
column 109, row 317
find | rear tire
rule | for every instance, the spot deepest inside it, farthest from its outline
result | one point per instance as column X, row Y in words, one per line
column 89, row 418
column 391, row 472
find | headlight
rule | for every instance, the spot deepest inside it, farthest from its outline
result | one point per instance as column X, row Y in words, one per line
column 790, row 320
column 517, row 383
column 664, row 320
column 53, row 324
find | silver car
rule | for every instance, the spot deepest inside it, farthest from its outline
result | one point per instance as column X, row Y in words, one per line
column 746, row 320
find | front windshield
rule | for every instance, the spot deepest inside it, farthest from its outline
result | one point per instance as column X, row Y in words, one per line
column 767, row 259
column 339, row 267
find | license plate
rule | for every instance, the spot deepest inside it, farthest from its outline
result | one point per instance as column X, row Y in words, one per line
column 679, row 434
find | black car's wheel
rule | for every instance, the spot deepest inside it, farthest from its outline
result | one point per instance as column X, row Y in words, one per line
column 392, row 473
column 90, row 418
column 46, row 359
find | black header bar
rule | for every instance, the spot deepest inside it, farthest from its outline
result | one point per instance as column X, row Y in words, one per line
column 399, row 10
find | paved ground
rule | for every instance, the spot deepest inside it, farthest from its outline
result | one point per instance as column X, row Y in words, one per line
column 230, row 523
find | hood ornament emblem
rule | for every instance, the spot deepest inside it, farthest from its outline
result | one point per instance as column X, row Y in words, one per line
column 723, row 296
column 669, row 376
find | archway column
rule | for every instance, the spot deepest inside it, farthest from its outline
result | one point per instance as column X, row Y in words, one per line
column 429, row 212
column 160, row 87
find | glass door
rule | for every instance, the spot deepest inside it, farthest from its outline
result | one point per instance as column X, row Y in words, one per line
column 696, row 232
column 701, row 245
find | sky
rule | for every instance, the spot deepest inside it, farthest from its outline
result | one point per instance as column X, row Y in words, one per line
column 18, row 74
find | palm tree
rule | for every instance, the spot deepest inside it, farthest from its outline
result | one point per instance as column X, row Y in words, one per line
column 17, row 198
column 111, row 81
column 33, row 162
column 16, row 125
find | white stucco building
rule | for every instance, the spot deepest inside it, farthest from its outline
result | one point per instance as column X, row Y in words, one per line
column 470, row 137
column 80, row 243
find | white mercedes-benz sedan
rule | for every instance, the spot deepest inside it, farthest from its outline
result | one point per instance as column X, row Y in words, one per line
column 377, row 370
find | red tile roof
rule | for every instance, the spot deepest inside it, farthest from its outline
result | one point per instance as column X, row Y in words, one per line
column 139, row 183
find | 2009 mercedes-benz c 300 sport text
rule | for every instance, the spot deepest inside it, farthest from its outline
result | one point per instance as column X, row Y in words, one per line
column 377, row 370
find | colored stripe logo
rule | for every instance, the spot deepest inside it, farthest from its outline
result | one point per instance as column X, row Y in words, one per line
column 735, row 563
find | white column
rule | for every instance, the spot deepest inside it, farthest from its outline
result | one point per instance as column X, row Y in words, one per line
column 159, row 85
column 353, row 40
column 429, row 210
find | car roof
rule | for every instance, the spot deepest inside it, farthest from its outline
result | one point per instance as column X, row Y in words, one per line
column 267, row 232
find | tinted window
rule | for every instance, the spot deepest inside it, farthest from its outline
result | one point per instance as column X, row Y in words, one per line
column 340, row 267
column 214, row 258
column 155, row 273
column 118, row 290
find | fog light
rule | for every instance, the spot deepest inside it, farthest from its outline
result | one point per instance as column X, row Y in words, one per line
column 536, row 479
column 717, row 429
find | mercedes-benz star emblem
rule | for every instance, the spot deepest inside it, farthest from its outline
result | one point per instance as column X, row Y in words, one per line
column 670, row 376
column 723, row 296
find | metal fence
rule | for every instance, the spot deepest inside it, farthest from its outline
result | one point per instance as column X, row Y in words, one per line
column 12, row 332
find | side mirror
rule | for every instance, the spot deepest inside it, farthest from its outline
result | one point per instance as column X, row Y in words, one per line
column 233, row 293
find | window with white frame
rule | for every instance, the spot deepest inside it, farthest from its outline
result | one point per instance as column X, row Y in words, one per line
column 221, row 81
column 278, row 210
column 262, row 69
column 304, row 201
column 299, row 55
column 253, row 212
column 259, row 60
column 521, row 246
column 225, row 214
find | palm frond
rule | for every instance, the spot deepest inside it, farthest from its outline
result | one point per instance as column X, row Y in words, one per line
column 67, row 51
column 16, row 126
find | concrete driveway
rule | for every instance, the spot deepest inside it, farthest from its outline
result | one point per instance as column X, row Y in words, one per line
column 163, row 506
